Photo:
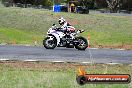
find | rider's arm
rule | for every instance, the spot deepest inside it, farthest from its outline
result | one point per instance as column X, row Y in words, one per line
column 60, row 29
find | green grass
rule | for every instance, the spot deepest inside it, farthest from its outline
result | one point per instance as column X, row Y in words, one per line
column 103, row 29
column 19, row 36
column 26, row 77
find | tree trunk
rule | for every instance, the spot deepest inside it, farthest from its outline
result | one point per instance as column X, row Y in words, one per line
column 113, row 5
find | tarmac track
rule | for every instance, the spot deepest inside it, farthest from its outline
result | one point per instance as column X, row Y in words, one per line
column 65, row 54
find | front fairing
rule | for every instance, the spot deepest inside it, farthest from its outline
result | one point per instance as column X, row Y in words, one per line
column 53, row 31
column 50, row 31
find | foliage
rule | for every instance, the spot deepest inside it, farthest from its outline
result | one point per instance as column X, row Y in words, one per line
column 33, row 2
column 114, row 5
column 86, row 3
column 47, row 3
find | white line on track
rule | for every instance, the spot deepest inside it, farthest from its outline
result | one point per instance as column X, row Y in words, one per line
column 3, row 59
column 58, row 61
column 29, row 60
column 113, row 63
column 120, row 49
column 93, row 48
column 107, row 48
column 86, row 62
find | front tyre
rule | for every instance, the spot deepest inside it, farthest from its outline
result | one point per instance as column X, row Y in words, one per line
column 82, row 43
column 50, row 42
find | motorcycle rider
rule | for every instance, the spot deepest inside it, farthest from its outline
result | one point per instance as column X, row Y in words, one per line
column 65, row 26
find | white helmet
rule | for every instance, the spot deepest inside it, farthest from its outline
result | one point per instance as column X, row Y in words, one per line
column 61, row 21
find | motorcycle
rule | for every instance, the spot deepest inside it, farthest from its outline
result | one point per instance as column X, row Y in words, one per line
column 57, row 38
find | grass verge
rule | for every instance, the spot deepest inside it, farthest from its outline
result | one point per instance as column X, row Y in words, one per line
column 55, row 75
column 15, row 36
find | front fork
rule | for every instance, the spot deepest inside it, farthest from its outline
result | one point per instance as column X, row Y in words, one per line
column 50, row 37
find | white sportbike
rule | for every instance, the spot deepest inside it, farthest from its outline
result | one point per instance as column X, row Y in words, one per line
column 57, row 38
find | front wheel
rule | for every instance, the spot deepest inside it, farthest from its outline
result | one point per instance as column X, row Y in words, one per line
column 50, row 42
column 82, row 43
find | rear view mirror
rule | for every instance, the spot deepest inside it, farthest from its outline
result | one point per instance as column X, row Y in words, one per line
column 53, row 24
column 80, row 31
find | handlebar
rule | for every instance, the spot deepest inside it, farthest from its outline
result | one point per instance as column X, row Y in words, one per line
column 80, row 31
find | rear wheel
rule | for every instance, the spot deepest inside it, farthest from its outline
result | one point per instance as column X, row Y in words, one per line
column 50, row 42
column 82, row 43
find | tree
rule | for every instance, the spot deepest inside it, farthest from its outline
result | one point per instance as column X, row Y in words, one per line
column 33, row 2
column 114, row 5
column 87, row 3
column 47, row 2
column 127, row 4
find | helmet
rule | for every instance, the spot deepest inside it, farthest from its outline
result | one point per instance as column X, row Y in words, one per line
column 61, row 21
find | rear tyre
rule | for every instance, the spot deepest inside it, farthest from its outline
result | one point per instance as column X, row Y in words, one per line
column 50, row 43
column 82, row 43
